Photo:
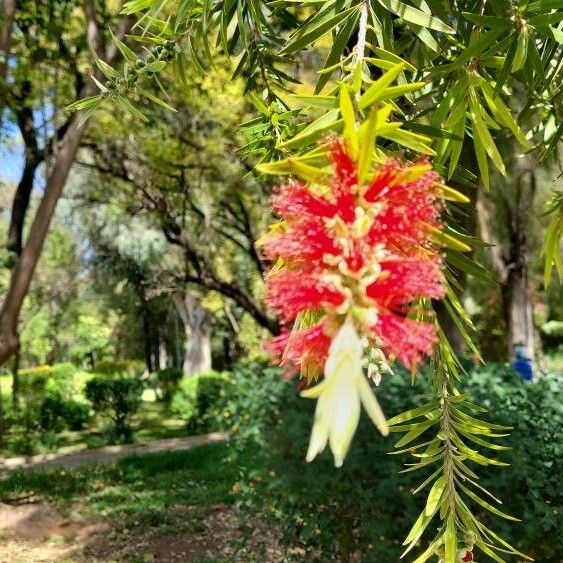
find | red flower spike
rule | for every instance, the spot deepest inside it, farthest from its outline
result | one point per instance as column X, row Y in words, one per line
column 360, row 251
column 468, row 556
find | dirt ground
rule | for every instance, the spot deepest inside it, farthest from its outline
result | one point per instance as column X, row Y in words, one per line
column 37, row 532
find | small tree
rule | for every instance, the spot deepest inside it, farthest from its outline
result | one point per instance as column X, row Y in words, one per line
column 118, row 399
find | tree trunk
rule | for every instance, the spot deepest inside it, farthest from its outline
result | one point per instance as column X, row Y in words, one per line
column 6, row 18
column 162, row 354
column 147, row 332
column 23, row 272
column 510, row 258
column 33, row 157
column 16, row 379
column 518, row 311
column 25, row 268
column 197, row 326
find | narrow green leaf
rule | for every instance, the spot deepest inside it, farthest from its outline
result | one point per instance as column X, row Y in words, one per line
column 313, row 130
column 350, row 133
column 445, row 239
column 413, row 413
column 367, row 134
column 435, row 495
column 84, row 103
column 521, row 51
column 156, row 100
column 546, row 19
column 430, row 550
column 487, row 505
column 414, row 434
column 376, row 90
column 392, row 58
column 450, row 541
column 328, row 102
column 311, row 34
column 489, row 21
column 480, row 130
column 412, row 15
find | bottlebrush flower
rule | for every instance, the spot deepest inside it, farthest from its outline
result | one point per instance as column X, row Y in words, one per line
column 353, row 260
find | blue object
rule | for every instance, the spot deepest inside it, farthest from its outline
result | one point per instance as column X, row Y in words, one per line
column 522, row 364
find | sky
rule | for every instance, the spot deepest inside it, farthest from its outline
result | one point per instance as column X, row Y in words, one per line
column 12, row 147
column 11, row 153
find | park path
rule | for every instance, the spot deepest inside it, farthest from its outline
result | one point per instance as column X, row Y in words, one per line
column 108, row 453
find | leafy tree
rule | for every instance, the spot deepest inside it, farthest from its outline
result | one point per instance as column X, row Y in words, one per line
column 50, row 57
column 483, row 71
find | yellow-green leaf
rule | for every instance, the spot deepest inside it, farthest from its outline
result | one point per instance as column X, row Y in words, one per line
column 377, row 89
column 450, row 539
column 435, row 495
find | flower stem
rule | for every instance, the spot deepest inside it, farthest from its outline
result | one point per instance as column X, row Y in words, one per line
column 362, row 31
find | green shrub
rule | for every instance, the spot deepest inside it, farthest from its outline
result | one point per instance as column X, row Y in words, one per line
column 198, row 399
column 552, row 334
column 531, row 485
column 118, row 399
column 183, row 399
column 132, row 368
column 167, row 381
column 76, row 415
column 51, row 413
column 334, row 514
column 32, row 382
column 56, row 413
column 64, row 370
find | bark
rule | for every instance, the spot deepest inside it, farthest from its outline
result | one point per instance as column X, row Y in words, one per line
column 33, row 157
column 147, row 337
column 7, row 11
column 23, row 272
column 162, row 354
column 510, row 259
column 16, row 378
column 25, row 268
column 197, row 326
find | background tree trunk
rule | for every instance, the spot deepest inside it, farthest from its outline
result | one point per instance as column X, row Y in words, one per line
column 7, row 10
column 197, row 326
column 16, row 379
column 23, row 271
column 512, row 204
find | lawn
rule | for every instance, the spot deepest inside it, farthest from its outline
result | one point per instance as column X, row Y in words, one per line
column 176, row 505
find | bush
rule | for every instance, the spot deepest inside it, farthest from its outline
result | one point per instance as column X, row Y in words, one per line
column 64, row 371
column 167, row 380
column 132, row 368
column 51, row 413
column 183, row 400
column 76, row 415
column 531, row 485
column 118, row 399
column 33, row 382
column 333, row 514
column 198, row 399
column 552, row 334
column 48, row 393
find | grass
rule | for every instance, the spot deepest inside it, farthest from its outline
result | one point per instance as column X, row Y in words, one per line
column 142, row 498
column 131, row 486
